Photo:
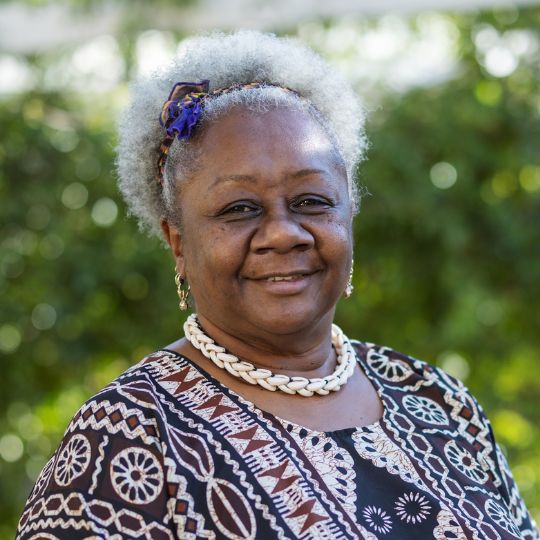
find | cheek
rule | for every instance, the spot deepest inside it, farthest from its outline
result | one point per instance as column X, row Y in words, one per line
column 338, row 239
column 211, row 254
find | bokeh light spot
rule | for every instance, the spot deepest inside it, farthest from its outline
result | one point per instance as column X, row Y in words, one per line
column 485, row 37
column 30, row 426
column 97, row 65
column 529, row 178
column 454, row 364
column 443, row 175
column 11, row 447
column 51, row 247
column 488, row 92
column 75, row 196
column 11, row 265
column 43, row 316
column 104, row 212
column 33, row 110
column 10, row 338
column 17, row 74
column 153, row 50
column 16, row 410
column 503, row 184
column 64, row 140
column 500, row 61
column 512, row 427
column 23, row 242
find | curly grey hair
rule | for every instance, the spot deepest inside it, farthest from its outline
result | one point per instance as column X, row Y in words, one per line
column 227, row 59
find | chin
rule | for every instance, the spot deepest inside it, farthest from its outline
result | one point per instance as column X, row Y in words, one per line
column 288, row 321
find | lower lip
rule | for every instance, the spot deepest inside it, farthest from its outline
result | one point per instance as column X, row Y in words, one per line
column 286, row 287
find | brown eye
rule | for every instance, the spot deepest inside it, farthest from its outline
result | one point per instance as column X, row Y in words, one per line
column 311, row 203
column 240, row 208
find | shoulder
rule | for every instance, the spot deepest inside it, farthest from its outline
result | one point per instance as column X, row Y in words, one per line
column 130, row 407
column 395, row 366
column 132, row 398
column 420, row 389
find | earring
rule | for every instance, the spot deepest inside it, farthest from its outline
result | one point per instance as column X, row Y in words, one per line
column 349, row 288
column 183, row 294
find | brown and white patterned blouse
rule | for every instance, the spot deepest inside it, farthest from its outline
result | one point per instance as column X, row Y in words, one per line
column 166, row 451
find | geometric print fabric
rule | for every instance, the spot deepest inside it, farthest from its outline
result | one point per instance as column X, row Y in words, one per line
column 166, row 451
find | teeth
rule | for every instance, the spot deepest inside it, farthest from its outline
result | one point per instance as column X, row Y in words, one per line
column 283, row 278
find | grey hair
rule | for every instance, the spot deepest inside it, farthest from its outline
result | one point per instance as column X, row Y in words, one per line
column 227, row 59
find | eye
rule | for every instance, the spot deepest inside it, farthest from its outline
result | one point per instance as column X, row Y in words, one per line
column 311, row 202
column 240, row 207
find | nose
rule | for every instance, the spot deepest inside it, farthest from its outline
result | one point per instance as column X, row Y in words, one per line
column 281, row 232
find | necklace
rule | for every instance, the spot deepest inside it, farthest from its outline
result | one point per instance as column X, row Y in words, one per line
column 303, row 386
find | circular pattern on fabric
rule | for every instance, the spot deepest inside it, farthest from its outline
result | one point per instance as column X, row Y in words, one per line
column 73, row 460
column 391, row 370
column 465, row 463
column 136, row 475
column 425, row 409
column 412, row 507
column 501, row 517
column 377, row 519
column 230, row 510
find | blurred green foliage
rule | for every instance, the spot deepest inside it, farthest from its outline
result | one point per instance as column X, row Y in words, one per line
column 447, row 254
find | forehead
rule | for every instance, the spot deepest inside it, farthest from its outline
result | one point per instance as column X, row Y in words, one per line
column 278, row 138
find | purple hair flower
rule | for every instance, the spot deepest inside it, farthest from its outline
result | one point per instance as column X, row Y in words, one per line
column 183, row 116
column 179, row 115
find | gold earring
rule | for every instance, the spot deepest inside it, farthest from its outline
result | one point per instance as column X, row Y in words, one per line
column 349, row 288
column 183, row 294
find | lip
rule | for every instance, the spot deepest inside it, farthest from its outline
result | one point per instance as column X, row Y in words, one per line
column 280, row 273
column 301, row 279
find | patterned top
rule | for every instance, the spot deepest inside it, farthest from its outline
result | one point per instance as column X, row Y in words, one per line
column 166, row 451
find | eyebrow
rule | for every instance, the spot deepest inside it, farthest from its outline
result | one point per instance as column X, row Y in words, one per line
column 233, row 178
column 251, row 179
column 308, row 172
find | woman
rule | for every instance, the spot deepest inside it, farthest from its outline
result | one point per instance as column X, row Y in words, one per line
column 265, row 421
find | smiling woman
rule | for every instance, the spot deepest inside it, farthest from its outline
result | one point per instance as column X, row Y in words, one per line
column 265, row 420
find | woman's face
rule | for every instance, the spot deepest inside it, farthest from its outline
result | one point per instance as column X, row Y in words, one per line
column 266, row 238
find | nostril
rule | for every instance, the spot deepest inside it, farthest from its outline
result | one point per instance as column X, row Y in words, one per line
column 281, row 234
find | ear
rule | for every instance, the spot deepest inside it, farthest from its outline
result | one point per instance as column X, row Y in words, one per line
column 173, row 237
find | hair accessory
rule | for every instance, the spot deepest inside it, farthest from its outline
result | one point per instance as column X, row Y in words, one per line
column 346, row 361
column 179, row 115
column 183, row 108
column 183, row 294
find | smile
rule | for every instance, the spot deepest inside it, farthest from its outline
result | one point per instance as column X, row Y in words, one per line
column 286, row 284
column 286, row 278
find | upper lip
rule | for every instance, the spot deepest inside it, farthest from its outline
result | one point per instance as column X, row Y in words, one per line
column 269, row 275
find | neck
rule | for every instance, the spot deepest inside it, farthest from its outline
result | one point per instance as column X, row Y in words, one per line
column 308, row 353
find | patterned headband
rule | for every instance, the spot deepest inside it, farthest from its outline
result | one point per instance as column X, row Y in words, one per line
column 183, row 108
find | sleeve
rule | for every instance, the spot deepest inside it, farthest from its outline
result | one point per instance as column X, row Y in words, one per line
column 106, row 480
column 478, row 424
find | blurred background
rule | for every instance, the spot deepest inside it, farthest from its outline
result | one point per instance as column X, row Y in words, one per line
column 447, row 244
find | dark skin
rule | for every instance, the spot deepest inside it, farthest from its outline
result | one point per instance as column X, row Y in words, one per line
column 269, row 199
